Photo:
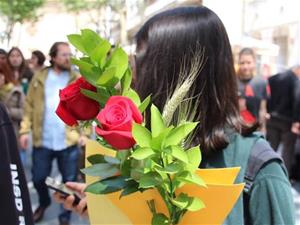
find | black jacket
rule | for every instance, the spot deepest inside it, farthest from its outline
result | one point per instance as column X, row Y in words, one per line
column 15, row 207
column 283, row 101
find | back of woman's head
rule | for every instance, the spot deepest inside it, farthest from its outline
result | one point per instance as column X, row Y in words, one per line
column 173, row 38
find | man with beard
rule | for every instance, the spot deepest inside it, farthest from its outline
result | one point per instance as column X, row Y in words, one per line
column 51, row 138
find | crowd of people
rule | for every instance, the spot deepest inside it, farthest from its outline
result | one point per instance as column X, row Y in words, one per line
column 231, row 106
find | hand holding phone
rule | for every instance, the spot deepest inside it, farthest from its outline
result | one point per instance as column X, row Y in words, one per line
column 62, row 189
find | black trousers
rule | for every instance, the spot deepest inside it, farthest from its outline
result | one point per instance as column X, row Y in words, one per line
column 279, row 131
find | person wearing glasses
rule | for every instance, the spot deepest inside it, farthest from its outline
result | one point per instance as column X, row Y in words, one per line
column 51, row 138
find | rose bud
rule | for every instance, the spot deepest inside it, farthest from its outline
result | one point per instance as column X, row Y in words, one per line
column 74, row 106
column 116, row 121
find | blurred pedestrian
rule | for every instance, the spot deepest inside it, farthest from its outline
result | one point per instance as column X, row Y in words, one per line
column 11, row 95
column 37, row 60
column 51, row 138
column 283, row 113
column 3, row 55
column 252, row 87
column 17, row 63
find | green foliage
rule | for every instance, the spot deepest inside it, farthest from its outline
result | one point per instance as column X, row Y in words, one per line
column 157, row 123
column 141, row 135
column 109, row 185
column 145, row 104
column 18, row 11
column 102, row 66
column 179, row 133
column 133, row 96
column 183, row 201
column 102, row 170
column 159, row 159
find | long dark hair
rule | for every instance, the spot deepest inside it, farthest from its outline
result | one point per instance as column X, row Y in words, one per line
column 169, row 38
column 24, row 71
column 23, row 64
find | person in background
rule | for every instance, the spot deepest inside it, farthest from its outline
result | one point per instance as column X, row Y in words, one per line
column 11, row 95
column 164, row 43
column 37, row 60
column 17, row 63
column 52, row 139
column 3, row 55
column 252, row 87
column 283, row 109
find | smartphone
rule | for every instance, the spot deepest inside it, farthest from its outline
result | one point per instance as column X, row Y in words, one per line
column 61, row 188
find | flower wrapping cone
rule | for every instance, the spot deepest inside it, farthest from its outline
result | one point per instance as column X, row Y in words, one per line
column 219, row 198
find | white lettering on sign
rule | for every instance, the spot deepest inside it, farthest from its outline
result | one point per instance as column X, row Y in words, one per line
column 17, row 192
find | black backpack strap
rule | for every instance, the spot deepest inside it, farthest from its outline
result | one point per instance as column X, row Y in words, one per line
column 261, row 154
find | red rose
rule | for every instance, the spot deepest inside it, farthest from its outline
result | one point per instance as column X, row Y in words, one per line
column 116, row 120
column 74, row 105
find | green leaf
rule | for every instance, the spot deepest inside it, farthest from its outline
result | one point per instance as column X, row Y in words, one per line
column 133, row 96
column 119, row 60
column 95, row 188
column 160, row 219
column 170, row 169
column 179, row 133
column 107, row 78
column 131, row 187
column 157, row 142
column 182, row 201
column 150, row 179
column 103, row 93
column 92, row 95
column 141, row 135
column 97, row 158
column 86, row 59
column 157, row 123
column 194, row 156
column 98, row 55
column 112, row 184
column 86, row 70
column 102, row 170
column 77, row 42
column 195, row 204
column 111, row 160
column 142, row 153
column 179, row 153
column 90, row 40
column 126, row 81
column 188, row 177
column 144, row 104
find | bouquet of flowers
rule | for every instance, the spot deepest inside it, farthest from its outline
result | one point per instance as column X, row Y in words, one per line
column 142, row 159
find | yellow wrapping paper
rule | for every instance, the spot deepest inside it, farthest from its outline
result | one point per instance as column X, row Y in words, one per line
column 219, row 198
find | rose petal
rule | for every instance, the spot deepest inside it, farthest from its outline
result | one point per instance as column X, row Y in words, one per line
column 105, row 119
column 83, row 108
column 63, row 114
column 117, row 139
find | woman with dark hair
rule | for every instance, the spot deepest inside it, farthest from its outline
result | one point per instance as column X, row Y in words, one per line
column 17, row 63
column 166, row 45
